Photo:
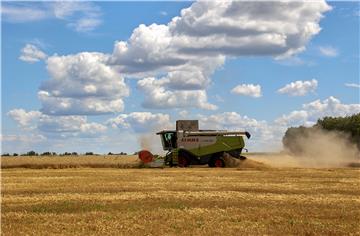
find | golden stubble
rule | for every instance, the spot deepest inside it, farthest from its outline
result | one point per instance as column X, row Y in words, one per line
column 178, row 201
column 62, row 162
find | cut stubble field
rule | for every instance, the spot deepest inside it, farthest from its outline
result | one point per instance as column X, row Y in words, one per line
column 180, row 201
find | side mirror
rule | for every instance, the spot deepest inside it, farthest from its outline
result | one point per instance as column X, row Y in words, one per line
column 248, row 135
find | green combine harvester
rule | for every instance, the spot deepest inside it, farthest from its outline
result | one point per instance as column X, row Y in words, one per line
column 187, row 145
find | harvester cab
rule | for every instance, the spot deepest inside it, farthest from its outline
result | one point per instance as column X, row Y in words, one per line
column 168, row 139
column 187, row 145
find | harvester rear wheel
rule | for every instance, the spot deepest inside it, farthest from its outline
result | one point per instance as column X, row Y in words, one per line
column 217, row 162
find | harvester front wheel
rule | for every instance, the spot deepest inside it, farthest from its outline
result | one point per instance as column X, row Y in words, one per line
column 183, row 161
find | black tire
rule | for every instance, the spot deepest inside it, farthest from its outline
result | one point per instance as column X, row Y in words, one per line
column 217, row 161
column 183, row 161
column 185, row 158
column 211, row 163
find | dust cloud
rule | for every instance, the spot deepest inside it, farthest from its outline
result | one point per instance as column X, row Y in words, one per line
column 145, row 141
column 323, row 148
column 150, row 142
column 244, row 164
column 319, row 149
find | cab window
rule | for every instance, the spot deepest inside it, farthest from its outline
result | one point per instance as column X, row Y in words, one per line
column 169, row 140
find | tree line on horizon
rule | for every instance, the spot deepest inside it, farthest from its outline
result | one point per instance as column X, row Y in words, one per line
column 33, row 153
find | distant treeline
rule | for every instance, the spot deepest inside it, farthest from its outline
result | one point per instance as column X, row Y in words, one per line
column 33, row 153
column 349, row 125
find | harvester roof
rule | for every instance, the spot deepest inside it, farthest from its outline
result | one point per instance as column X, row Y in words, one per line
column 209, row 133
column 216, row 133
column 166, row 131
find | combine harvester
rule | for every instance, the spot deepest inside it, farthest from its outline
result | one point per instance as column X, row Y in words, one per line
column 187, row 145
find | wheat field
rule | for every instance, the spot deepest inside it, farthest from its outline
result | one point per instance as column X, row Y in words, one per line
column 62, row 162
column 178, row 201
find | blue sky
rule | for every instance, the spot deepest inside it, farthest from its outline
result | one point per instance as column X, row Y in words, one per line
column 102, row 77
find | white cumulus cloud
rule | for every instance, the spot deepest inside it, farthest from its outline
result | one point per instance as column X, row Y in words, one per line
column 141, row 121
column 55, row 126
column 82, row 84
column 182, row 55
column 179, row 56
column 251, row 90
column 31, row 53
column 295, row 118
column 299, row 88
column 23, row 118
column 156, row 96
column 69, row 125
column 312, row 111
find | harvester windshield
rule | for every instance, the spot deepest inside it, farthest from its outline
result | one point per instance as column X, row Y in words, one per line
column 168, row 139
